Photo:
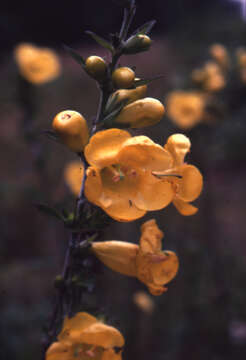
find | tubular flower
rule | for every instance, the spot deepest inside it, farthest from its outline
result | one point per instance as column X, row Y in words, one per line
column 83, row 337
column 37, row 65
column 120, row 179
column 186, row 109
column 146, row 261
column 186, row 179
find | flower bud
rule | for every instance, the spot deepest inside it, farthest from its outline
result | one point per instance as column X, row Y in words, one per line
column 96, row 67
column 72, row 129
column 117, row 255
column 123, row 77
column 136, row 44
column 131, row 94
column 141, row 113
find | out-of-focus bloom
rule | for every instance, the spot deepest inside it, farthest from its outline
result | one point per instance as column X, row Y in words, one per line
column 37, row 65
column 186, row 179
column 220, row 54
column 214, row 79
column 185, row 108
column 144, row 301
column 241, row 60
column 146, row 261
column 73, row 175
column 84, row 337
column 120, row 178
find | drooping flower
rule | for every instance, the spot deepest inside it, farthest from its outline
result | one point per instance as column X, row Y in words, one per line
column 37, row 65
column 186, row 179
column 83, row 337
column 185, row 108
column 146, row 261
column 120, row 179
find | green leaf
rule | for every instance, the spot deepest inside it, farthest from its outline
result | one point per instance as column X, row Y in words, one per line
column 111, row 103
column 145, row 28
column 51, row 135
column 47, row 210
column 109, row 119
column 77, row 57
column 146, row 81
column 104, row 43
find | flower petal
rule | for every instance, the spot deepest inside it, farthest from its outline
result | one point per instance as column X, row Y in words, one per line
column 93, row 185
column 184, row 208
column 178, row 145
column 153, row 194
column 104, row 146
column 59, row 351
column 124, row 210
column 190, row 186
column 73, row 175
column 117, row 255
column 151, row 237
column 164, row 271
column 72, row 327
column 140, row 151
column 103, row 335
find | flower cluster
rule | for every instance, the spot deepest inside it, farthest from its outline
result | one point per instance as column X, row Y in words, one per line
column 131, row 175
column 198, row 103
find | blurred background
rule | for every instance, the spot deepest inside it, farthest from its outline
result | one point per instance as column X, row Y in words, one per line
column 203, row 314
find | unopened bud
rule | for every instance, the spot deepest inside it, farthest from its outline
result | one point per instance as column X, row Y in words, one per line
column 136, row 44
column 96, row 67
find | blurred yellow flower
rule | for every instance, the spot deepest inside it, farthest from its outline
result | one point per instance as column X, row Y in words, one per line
column 186, row 179
column 185, row 108
column 220, row 54
column 146, row 261
column 73, row 175
column 37, row 65
column 84, row 337
column 120, row 178
column 210, row 77
column 144, row 301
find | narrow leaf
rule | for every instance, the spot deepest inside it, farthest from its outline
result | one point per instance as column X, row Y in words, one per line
column 104, row 43
column 47, row 210
column 111, row 103
column 51, row 135
column 146, row 81
column 110, row 118
column 145, row 28
column 77, row 57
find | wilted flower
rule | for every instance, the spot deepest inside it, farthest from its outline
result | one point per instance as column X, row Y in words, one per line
column 37, row 65
column 84, row 337
column 146, row 261
column 185, row 108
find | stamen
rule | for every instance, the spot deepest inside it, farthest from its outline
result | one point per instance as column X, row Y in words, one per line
column 160, row 175
column 158, row 258
column 132, row 173
column 117, row 173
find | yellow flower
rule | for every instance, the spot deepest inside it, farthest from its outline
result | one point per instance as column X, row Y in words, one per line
column 185, row 108
column 220, row 54
column 73, row 175
column 146, row 261
column 83, row 337
column 144, row 302
column 186, row 179
column 120, row 179
column 37, row 65
column 214, row 79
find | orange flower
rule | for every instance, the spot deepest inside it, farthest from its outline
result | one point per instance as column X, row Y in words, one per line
column 185, row 108
column 84, row 337
column 37, row 65
column 186, row 179
column 120, row 178
column 73, row 175
column 146, row 261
